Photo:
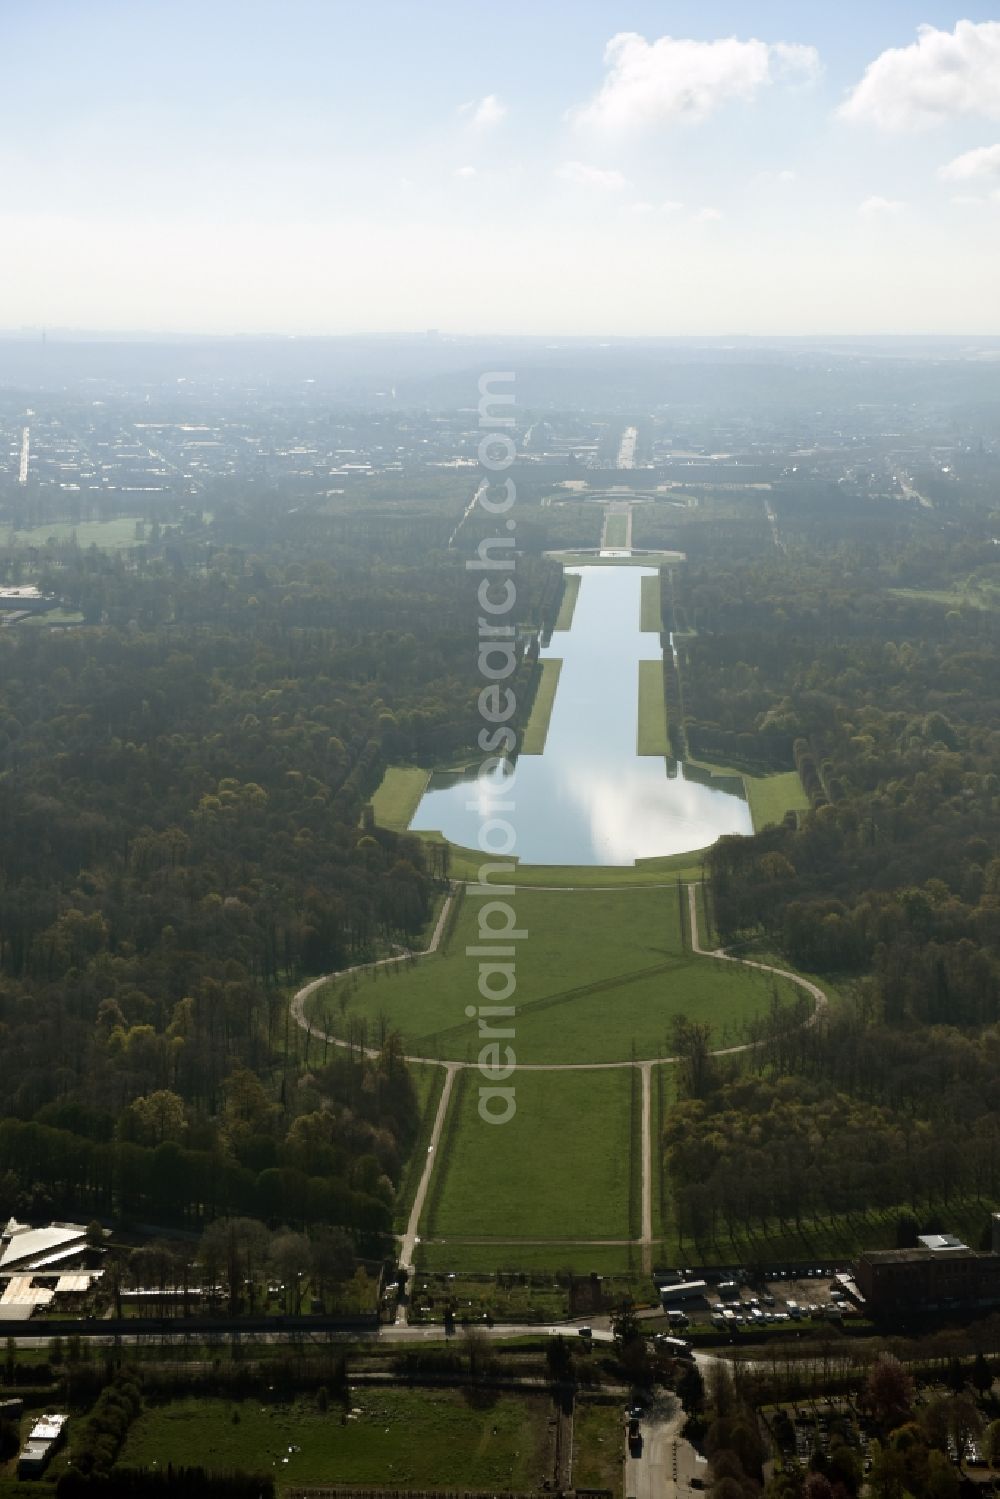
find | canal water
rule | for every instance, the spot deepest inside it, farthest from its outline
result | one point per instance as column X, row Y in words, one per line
column 590, row 798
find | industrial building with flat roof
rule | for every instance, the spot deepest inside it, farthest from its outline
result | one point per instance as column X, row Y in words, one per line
column 43, row 1439
column 928, row 1279
column 939, row 1272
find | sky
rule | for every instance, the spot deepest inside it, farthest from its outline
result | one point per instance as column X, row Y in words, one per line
column 561, row 167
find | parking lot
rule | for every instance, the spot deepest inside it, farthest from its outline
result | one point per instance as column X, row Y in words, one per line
column 824, row 1293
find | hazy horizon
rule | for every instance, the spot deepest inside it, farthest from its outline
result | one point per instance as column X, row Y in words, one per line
column 676, row 170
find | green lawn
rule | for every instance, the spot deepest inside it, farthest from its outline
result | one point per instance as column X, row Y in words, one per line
column 537, row 726
column 571, row 592
column 650, row 616
column 615, row 529
column 108, row 535
column 582, row 1259
column 427, row 1084
column 559, row 1168
column 600, row 972
column 770, row 797
column 598, row 1446
column 50, row 618
column 410, row 1438
column 398, row 797
column 964, row 595
column 652, row 733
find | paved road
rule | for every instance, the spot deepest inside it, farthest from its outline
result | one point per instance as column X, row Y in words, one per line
column 813, row 989
column 391, row 1333
column 298, row 1005
column 413, row 1223
column 299, row 999
column 666, row 1464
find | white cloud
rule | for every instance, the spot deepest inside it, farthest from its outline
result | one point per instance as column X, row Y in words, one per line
column 465, row 172
column 772, row 178
column 795, row 60
column 656, row 83
column 708, row 215
column 672, row 205
column 485, row 113
column 984, row 161
column 940, row 75
column 976, row 200
column 875, row 206
column 605, row 179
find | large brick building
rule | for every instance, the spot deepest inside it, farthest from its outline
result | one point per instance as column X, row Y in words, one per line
column 927, row 1279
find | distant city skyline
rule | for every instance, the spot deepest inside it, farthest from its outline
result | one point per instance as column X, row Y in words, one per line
column 618, row 169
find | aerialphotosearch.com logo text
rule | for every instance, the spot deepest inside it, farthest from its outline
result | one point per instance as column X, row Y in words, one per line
column 498, row 931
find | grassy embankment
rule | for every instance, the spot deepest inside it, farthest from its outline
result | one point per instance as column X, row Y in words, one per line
column 571, row 592
column 466, row 862
column 537, row 728
column 650, row 622
column 503, row 1443
column 398, row 796
column 651, row 738
column 600, row 977
column 770, row 797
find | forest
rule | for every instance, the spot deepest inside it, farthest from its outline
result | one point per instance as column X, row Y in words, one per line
column 182, row 787
column 863, row 650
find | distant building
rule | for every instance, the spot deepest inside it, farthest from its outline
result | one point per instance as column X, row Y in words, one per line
column 940, row 1241
column 26, row 598
column 43, row 1439
column 928, row 1278
column 24, row 1248
column 683, row 1290
column 39, row 1264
